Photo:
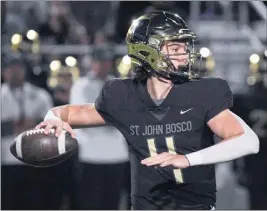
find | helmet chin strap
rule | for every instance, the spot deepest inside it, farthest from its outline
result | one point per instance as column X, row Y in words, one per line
column 179, row 76
column 176, row 78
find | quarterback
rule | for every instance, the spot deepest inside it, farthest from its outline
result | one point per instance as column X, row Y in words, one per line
column 168, row 115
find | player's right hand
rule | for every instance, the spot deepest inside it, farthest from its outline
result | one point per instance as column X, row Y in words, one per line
column 56, row 124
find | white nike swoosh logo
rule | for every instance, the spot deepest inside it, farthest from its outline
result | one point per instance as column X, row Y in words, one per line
column 183, row 112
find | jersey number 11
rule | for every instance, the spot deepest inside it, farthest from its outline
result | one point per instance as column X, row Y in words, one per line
column 171, row 149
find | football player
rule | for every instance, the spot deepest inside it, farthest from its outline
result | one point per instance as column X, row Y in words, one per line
column 168, row 117
column 252, row 170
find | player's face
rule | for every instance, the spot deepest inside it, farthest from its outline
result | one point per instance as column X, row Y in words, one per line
column 177, row 53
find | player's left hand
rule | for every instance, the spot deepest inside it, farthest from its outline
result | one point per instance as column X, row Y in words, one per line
column 167, row 159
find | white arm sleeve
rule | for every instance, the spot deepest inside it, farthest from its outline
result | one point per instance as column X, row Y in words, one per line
column 247, row 143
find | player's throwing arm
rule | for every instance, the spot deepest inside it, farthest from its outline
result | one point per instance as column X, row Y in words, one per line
column 71, row 116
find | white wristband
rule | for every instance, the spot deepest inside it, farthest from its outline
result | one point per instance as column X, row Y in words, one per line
column 50, row 115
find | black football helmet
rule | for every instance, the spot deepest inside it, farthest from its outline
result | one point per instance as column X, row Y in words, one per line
column 149, row 33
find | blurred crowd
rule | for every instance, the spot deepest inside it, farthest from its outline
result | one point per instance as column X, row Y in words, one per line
column 43, row 65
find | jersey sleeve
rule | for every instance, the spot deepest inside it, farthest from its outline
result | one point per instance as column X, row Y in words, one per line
column 104, row 103
column 221, row 98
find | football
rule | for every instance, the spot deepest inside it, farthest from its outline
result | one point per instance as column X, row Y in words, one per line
column 35, row 148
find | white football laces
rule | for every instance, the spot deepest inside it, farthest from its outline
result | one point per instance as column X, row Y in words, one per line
column 37, row 131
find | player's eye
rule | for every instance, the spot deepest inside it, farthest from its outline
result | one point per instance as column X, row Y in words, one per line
column 179, row 49
column 174, row 50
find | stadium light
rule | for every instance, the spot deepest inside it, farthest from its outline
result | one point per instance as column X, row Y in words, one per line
column 210, row 64
column 124, row 66
column 71, row 61
column 205, row 52
column 254, row 58
column 265, row 53
column 55, row 65
column 126, row 60
column 53, row 82
column 251, row 80
column 32, row 35
column 37, row 70
column 16, row 39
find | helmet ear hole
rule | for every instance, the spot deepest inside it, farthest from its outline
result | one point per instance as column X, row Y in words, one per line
column 144, row 53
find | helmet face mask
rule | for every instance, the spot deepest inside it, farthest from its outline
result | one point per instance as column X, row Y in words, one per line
column 147, row 37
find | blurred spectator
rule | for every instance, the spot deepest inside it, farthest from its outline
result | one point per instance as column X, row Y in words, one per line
column 32, row 12
column 13, row 24
column 92, row 14
column 171, row 6
column 61, row 96
column 25, row 187
column 3, row 15
column 16, row 88
column 62, row 27
column 103, row 151
column 71, row 168
column 20, row 16
column 252, row 169
column 24, row 105
column 24, row 15
column 211, row 11
column 100, row 38
column 129, row 10
column 61, row 93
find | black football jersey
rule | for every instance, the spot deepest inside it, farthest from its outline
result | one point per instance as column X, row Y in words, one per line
column 177, row 125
